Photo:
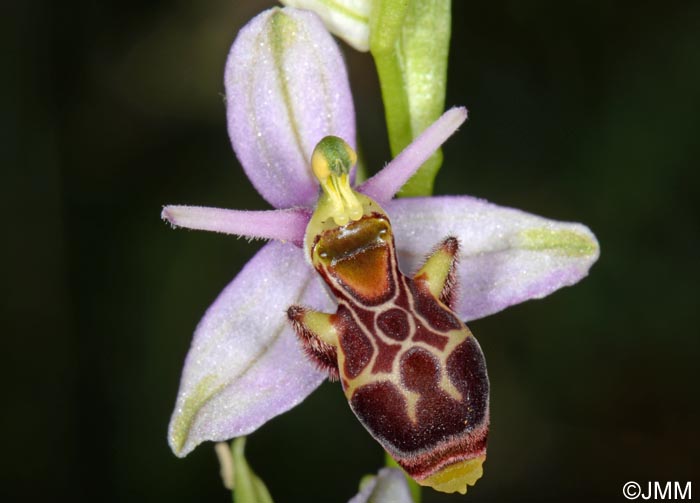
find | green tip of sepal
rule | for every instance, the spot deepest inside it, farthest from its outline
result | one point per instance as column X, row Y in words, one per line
column 181, row 424
column 365, row 480
column 567, row 242
column 283, row 29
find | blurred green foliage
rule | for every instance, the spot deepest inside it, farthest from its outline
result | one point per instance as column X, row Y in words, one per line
column 584, row 111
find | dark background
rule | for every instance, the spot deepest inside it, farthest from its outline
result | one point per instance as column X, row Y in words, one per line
column 583, row 111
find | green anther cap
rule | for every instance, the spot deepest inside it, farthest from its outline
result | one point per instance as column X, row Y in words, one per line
column 331, row 163
column 334, row 156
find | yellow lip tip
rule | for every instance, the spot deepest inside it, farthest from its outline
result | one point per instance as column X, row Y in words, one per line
column 456, row 477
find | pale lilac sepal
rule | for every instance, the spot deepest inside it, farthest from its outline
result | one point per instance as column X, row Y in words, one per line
column 387, row 182
column 282, row 225
column 389, row 486
column 506, row 256
column 286, row 88
column 245, row 366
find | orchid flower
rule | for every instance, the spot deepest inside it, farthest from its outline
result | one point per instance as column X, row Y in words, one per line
column 286, row 89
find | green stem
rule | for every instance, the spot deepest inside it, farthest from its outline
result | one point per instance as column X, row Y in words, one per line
column 247, row 487
column 409, row 40
column 386, row 22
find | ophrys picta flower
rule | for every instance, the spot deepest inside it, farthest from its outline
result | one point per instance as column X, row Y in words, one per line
column 287, row 89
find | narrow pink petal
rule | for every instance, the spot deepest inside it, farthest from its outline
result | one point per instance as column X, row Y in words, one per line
column 245, row 366
column 385, row 184
column 286, row 88
column 283, row 225
column 389, row 486
column 506, row 256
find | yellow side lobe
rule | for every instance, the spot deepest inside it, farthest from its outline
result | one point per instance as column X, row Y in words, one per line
column 456, row 477
column 320, row 325
column 436, row 271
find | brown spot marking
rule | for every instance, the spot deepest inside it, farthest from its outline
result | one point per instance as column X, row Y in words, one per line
column 382, row 409
column 366, row 317
column 424, row 334
column 466, row 368
column 353, row 343
column 385, row 358
column 420, row 370
column 452, row 427
column 394, row 323
column 428, row 306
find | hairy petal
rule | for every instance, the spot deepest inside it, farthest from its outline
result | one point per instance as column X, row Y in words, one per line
column 283, row 225
column 385, row 184
column 245, row 366
column 506, row 256
column 389, row 486
column 347, row 19
column 286, row 88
